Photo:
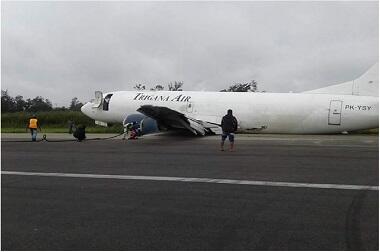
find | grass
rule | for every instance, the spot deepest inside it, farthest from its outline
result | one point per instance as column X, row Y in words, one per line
column 52, row 119
column 53, row 122
column 367, row 132
column 113, row 129
column 57, row 122
column 119, row 129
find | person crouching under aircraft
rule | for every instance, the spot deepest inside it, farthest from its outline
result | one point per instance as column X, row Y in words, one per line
column 135, row 131
column 80, row 133
column 127, row 127
column 229, row 126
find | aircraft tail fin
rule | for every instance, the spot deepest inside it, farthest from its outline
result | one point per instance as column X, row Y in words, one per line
column 366, row 85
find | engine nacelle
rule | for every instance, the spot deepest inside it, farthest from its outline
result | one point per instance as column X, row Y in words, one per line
column 145, row 125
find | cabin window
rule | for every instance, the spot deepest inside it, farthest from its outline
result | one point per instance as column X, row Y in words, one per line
column 106, row 102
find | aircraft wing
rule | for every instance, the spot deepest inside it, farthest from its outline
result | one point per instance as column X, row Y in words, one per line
column 174, row 119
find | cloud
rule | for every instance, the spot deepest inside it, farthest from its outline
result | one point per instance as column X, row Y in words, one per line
column 64, row 49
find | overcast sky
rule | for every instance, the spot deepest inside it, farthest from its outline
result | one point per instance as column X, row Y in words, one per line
column 60, row 50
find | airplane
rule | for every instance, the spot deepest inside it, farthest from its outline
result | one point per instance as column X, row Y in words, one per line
column 345, row 107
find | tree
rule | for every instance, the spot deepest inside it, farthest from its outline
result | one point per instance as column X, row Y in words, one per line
column 139, row 87
column 176, row 86
column 242, row 87
column 63, row 108
column 7, row 102
column 75, row 105
column 20, row 104
column 157, row 88
column 38, row 104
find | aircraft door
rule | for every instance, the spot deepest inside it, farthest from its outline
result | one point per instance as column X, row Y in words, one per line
column 189, row 107
column 98, row 99
column 335, row 112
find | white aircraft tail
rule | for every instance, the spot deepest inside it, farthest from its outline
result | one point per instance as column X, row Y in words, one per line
column 365, row 85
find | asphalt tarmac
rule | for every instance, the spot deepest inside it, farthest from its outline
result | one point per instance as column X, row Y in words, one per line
column 274, row 192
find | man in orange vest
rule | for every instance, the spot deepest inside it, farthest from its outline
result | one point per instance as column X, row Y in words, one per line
column 33, row 125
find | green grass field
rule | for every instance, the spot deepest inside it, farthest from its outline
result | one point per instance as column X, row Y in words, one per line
column 53, row 122
column 114, row 129
column 57, row 122
column 119, row 129
column 368, row 131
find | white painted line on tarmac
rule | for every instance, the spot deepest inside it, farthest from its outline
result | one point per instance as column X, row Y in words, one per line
column 196, row 180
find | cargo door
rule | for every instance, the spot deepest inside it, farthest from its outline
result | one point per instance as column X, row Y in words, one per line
column 335, row 112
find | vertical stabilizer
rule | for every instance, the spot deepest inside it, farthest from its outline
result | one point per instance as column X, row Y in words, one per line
column 366, row 85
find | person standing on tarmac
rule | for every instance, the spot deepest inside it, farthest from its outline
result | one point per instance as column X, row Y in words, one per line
column 32, row 126
column 229, row 126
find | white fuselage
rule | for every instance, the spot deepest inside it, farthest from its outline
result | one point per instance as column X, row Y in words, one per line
column 294, row 113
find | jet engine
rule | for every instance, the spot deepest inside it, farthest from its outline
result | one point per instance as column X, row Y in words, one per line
column 145, row 125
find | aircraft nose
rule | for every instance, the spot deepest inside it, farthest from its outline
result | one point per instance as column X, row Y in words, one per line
column 86, row 109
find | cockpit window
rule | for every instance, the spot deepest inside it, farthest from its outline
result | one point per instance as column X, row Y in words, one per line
column 106, row 102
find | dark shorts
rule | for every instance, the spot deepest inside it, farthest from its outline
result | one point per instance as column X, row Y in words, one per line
column 230, row 136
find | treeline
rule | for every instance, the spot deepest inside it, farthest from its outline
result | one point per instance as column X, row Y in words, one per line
column 11, row 104
column 243, row 87
column 16, row 112
column 251, row 86
column 172, row 86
